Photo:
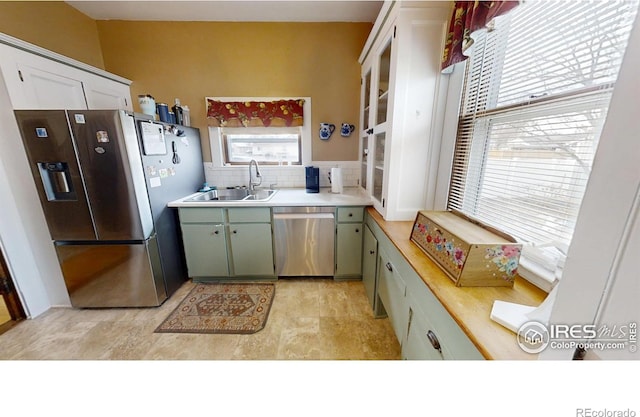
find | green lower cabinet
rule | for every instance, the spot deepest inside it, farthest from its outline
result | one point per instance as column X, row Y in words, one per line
column 205, row 249
column 349, row 232
column 392, row 293
column 369, row 263
column 424, row 328
column 436, row 336
column 422, row 341
column 349, row 250
column 227, row 242
column 251, row 249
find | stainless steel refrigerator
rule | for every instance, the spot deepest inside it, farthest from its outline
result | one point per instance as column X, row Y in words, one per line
column 104, row 178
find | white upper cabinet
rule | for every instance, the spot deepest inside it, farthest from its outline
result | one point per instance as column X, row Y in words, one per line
column 35, row 81
column 41, row 88
column 102, row 93
column 402, row 93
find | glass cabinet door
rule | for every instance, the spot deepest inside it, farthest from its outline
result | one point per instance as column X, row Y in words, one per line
column 366, row 100
column 375, row 91
column 381, row 126
column 378, row 167
column 364, row 166
column 383, row 84
column 366, row 128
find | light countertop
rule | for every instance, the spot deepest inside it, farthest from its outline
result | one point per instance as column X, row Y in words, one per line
column 351, row 196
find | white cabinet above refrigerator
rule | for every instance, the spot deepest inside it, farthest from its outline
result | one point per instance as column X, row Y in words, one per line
column 39, row 79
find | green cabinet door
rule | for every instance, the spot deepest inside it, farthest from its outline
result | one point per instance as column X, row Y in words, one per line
column 251, row 249
column 392, row 292
column 369, row 262
column 205, row 248
column 422, row 341
column 349, row 250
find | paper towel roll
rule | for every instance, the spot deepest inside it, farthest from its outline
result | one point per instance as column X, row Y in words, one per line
column 336, row 180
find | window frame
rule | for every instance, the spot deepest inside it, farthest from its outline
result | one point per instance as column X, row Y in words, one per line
column 216, row 134
column 225, row 132
column 487, row 114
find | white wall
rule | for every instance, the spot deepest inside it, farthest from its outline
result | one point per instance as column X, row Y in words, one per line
column 24, row 235
column 602, row 251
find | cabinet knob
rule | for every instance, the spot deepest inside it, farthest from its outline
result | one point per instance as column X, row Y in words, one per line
column 372, row 252
column 434, row 341
column 235, row 232
column 350, row 214
column 216, row 232
column 389, row 266
column 357, row 230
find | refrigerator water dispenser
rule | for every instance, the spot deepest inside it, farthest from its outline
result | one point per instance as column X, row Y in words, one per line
column 56, row 180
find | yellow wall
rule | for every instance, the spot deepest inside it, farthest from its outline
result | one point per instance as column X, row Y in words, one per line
column 193, row 60
column 55, row 26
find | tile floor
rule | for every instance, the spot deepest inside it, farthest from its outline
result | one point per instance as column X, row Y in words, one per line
column 310, row 319
column 4, row 312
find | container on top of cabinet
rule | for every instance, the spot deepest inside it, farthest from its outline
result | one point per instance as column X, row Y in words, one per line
column 469, row 252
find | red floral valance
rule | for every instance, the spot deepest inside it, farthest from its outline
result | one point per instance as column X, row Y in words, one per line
column 467, row 17
column 255, row 113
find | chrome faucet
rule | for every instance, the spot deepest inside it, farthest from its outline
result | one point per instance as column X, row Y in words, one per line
column 252, row 184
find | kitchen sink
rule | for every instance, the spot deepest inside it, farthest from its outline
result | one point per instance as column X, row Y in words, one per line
column 234, row 194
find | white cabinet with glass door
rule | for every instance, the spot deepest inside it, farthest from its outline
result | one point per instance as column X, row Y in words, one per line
column 400, row 112
column 375, row 99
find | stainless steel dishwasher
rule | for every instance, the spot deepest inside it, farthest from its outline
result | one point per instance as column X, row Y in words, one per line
column 304, row 238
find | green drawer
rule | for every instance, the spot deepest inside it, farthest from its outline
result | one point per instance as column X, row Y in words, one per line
column 350, row 214
column 249, row 215
column 201, row 215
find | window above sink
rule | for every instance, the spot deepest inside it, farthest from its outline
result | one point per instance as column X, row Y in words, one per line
column 268, row 146
column 254, row 142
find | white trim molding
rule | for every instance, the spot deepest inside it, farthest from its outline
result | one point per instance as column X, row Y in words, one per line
column 600, row 276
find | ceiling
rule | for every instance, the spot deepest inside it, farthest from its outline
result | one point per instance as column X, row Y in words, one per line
column 236, row 10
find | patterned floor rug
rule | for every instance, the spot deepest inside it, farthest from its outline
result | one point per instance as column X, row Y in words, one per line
column 221, row 308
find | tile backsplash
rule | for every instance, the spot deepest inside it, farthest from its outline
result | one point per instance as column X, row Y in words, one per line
column 281, row 176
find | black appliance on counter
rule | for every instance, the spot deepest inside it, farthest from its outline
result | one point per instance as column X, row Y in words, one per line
column 312, row 175
column 104, row 178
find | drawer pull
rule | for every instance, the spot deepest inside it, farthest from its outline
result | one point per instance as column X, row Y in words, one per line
column 434, row 341
column 389, row 266
column 350, row 214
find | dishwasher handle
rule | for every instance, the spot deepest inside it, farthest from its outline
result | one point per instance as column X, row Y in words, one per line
column 302, row 216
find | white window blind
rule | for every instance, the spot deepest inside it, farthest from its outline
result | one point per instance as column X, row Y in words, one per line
column 536, row 94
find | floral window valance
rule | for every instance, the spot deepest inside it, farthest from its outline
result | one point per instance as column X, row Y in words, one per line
column 255, row 113
column 468, row 17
